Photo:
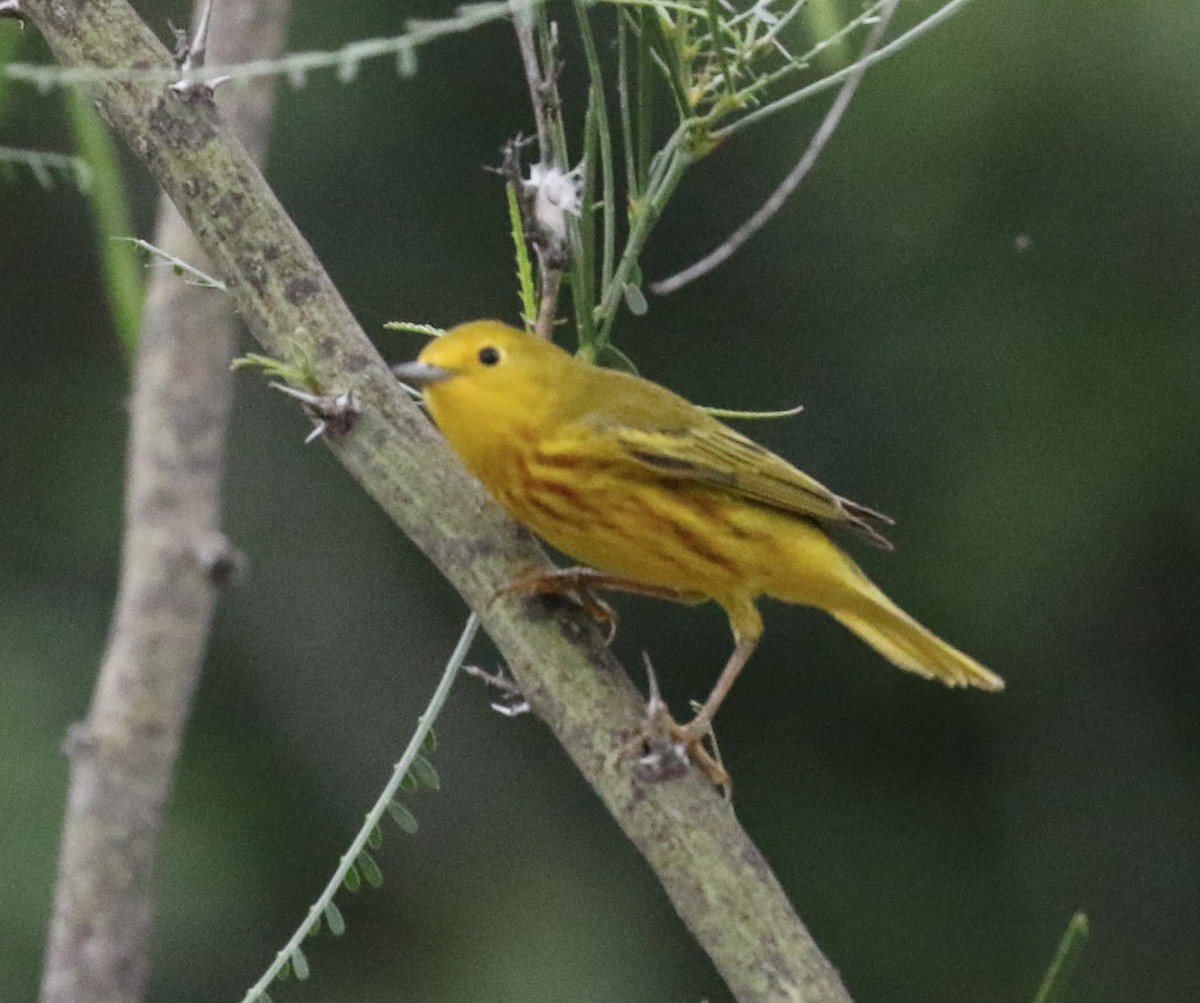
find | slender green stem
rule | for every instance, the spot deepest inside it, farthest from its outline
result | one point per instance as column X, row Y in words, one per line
column 645, row 99
column 627, row 147
column 375, row 815
column 666, row 55
column 599, row 102
column 123, row 277
column 783, row 192
column 715, row 25
column 774, row 31
column 583, row 233
column 1065, row 958
column 762, row 84
column 670, row 165
column 894, row 46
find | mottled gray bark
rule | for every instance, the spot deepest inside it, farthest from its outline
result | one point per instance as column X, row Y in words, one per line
column 175, row 558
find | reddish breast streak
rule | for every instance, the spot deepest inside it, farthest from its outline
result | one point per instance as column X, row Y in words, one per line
column 562, row 461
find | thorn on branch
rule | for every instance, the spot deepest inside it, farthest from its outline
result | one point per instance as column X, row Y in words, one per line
column 182, row 44
column 661, row 757
column 79, row 740
column 514, row 703
column 222, row 562
column 335, row 415
column 190, row 55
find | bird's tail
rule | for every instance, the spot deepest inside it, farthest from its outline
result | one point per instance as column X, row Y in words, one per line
column 904, row 642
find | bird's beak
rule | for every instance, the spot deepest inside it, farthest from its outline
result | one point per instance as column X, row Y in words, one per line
column 421, row 374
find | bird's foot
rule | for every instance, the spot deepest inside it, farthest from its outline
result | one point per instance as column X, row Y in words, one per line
column 576, row 584
column 666, row 750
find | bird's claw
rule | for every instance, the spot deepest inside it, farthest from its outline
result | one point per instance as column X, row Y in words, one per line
column 564, row 584
column 666, row 750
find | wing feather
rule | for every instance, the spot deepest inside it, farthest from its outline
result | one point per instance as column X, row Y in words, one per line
column 716, row 456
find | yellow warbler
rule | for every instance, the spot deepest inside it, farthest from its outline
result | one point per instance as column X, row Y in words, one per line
column 658, row 496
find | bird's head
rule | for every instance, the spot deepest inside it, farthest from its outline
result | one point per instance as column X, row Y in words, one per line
column 486, row 371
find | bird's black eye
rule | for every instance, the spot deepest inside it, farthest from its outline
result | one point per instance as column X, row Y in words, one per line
column 489, row 356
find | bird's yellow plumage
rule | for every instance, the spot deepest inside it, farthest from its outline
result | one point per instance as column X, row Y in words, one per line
column 638, row 483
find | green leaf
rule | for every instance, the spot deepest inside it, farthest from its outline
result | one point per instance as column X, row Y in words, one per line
column 375, row 838
column 422, row 769
column 404, row 818
column 429, row 330
column 614, row 358
column 124, row 278
column 529, row 308
column 371, row 873
column 635, row 299
column 334, row 919
column 430, row 742
column 409, row 783
column 300, row 964
column 285, row 971
column 302, row 374
column 314, row 928
column 352, row 880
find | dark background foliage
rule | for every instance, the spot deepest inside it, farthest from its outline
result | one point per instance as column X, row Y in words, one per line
column 986, row 296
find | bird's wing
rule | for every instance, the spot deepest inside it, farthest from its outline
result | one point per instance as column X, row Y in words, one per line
column 715, row 455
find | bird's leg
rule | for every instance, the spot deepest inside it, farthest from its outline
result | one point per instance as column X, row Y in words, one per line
column 581, row 583
column 694, row 732
column 747, row 629
column 660, row 756
column 558, row 580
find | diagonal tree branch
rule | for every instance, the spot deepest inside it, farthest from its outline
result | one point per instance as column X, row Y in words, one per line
column 123, row 756
column 716, row 878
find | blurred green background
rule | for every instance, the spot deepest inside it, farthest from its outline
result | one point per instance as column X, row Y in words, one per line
column 987, row 295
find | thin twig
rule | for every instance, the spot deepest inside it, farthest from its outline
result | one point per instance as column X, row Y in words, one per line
column 294, row 66
column 599, row 101
column 523, row 23
column 348, row 860
column 174, row 560
column 200, row 278
column 775, row 202
column 833, row 79
column 543, row 96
